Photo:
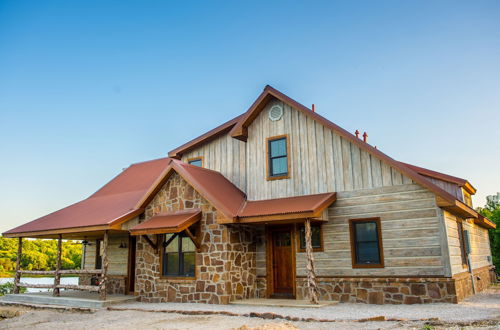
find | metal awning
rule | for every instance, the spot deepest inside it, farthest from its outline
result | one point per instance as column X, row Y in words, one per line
column 170, row 222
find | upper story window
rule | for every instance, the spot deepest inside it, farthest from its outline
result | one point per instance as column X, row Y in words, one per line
column 277, row 158
column 366, row 243
column 197, row 161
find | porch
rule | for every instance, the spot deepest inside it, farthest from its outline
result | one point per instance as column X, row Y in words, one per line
column 68, row 298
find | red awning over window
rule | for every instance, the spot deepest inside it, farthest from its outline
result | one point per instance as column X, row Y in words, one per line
column 171, row 222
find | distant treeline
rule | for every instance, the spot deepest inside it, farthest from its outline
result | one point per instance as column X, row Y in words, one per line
column 38, row 254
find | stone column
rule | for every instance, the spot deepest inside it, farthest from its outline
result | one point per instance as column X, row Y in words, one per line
column 104, row 268
column 57, row 277
column 312, row 287
column 17, row 279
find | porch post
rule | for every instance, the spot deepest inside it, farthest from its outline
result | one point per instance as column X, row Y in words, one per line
column 17, row 279
column 311, row 275
column 57, row 277
column 104, row 276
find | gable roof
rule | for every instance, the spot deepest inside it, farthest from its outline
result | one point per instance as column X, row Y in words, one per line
column 239, row 131
column 116, row 202
column 204, row 138
column 211, row 185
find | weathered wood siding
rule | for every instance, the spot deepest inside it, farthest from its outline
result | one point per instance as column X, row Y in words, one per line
column 480, row 244
column 410, row 233
column 118, row 258
column 321, row 161
column 452, row 188
column 225, row 155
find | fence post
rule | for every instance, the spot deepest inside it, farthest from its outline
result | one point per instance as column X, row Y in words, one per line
column 17, row 279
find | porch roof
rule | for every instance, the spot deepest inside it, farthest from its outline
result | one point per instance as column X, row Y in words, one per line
column 171, row 222
column 297, row 207
column 116, row 202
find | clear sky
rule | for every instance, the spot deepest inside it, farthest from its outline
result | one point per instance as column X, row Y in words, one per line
column 89, row 87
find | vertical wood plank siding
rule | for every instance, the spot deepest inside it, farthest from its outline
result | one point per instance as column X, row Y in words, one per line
column 118, row 258
column 480, row 244
column 321, row 161
column 225, row 155
column 410, row 233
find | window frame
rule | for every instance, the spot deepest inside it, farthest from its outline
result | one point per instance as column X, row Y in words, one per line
column 201, row 158
column 461, row 241
column 162, row 259
column 270, row 177
column 322, row 243
column 98, row 256
column 352, row 223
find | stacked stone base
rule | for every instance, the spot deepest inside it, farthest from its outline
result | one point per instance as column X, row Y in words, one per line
column 399, row 290
column 483, row 277
column 116, row 283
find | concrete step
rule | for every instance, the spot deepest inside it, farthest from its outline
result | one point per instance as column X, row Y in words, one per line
column 70, row 299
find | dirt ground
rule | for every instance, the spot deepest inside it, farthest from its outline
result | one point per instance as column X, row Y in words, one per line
column 438, row 317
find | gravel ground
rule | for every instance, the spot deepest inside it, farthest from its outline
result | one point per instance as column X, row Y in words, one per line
column 482, row 306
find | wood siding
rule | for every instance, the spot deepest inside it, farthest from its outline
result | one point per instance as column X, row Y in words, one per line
column 118, row 257
column 452, row 188
column 321, row 161
column 480, row 244
column 410, row 233
column 225, row 155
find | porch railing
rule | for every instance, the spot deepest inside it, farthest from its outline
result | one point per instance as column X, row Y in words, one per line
column 56, row 286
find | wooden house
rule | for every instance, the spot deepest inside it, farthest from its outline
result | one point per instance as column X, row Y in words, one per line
column 278, row 202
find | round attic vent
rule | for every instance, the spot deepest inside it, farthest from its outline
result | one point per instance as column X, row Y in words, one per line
column 275, row 113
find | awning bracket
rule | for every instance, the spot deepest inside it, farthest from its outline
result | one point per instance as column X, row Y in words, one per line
column 151, row 243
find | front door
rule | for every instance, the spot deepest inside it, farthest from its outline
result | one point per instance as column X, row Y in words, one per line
column 282, row 263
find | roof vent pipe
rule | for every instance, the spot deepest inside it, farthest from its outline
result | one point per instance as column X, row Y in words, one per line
column 313, row 108
column 365, row 137
column 357, row 134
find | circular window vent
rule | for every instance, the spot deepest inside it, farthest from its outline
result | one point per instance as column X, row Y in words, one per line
column 275, row 113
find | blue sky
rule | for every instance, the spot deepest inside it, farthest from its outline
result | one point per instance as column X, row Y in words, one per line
column 89, row 87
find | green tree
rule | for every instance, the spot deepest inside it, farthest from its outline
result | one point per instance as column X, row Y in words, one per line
column 39, row 254
column 492, row 211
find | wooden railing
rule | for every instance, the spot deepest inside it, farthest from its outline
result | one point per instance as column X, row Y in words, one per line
column 103, row 274
column 91, row 288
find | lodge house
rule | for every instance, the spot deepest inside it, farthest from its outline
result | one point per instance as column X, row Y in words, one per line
column 278, row 202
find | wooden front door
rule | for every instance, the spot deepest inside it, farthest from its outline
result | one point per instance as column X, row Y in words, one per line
column 282, row 262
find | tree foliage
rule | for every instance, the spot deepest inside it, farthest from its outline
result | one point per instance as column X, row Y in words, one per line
column 39, row 254
column 492, row 211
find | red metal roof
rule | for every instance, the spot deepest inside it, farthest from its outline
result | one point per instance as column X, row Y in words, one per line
column 115, row 201
column 213, row 186
column 171, row 222
column 297, row 204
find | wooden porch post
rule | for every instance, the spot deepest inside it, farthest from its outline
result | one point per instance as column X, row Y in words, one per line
column 17, row 279
column 57, row 277
column 311, row 275
column 104, row 275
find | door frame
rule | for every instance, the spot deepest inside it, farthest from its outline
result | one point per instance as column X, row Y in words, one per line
column 269, row 258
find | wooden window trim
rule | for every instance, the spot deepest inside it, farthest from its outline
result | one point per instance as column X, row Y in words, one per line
column 197, row 158
column 461, row 241
column 268, row 172
column 353, row 244
column 322, row 242
column 98, row 263
column 161, row 239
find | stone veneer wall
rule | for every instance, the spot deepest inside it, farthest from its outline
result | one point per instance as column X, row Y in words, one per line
column 484, row 276
column 225, row 265
column 398, row 290
column 116, row 283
